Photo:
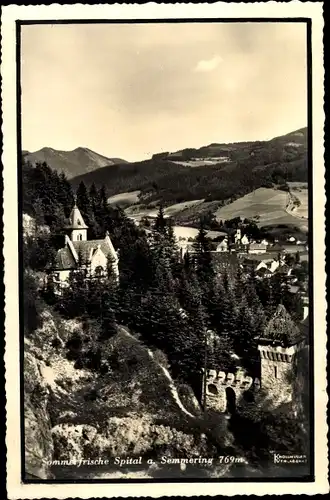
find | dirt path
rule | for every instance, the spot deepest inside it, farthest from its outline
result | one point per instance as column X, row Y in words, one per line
column 173, row 389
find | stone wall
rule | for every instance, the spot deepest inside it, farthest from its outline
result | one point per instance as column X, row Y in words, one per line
column 223, row 388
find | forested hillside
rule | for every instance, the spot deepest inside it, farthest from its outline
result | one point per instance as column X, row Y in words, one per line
column 249, row 166
column 156, row 286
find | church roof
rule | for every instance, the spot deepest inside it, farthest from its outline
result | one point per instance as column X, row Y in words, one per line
column 64, row 259
column 281, row 328
column 76, row 219
column 85, row 250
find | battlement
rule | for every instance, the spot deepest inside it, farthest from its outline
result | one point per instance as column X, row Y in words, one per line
column 239, row 380
column 276, row 352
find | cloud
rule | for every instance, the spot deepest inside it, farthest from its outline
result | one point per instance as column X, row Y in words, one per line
column 208, row 64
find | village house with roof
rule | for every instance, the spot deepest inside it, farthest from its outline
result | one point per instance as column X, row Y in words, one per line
column 79, row 253
column 223, row 245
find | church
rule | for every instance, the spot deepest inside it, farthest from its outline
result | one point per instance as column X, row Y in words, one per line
column 79, row 253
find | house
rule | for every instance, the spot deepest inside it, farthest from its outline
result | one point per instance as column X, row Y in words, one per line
column 274, row 264
column 261, row 265
column 79, row 253
column 257, row 248
column 245, row 240
column 238, row 236
column 284, row 270
column 223, row 246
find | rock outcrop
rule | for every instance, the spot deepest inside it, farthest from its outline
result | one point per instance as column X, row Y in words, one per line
column 78, row 414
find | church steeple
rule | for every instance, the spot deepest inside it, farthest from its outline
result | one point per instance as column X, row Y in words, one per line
column 77, row 227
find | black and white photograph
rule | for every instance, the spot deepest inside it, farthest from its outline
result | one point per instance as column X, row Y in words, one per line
column 165, row 249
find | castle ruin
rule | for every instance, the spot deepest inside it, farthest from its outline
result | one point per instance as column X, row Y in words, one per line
column 283, row 371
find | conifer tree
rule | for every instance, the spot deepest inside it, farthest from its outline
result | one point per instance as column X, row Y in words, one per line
column 75, row 297
column 84, row 204
column 204, row 266
column 160, row 225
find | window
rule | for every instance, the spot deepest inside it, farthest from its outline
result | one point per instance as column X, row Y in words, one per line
column 78, row 222
column 275, row 372
column 99, row 271
column 212, row 389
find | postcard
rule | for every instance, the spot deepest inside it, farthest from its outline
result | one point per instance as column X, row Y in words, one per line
column 164, row 224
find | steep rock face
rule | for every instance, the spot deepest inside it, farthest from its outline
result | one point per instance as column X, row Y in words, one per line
column 77, row 414
column 42, row 355
column 38, row 440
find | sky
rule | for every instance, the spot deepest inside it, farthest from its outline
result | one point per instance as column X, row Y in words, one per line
column 133, row 90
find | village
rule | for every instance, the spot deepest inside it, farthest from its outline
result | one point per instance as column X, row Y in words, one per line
column 265, row 258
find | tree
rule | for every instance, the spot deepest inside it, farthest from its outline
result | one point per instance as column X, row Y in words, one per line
column 160, row 225
column 86, row 209
column 75, row 298
column 32, row 305
column 204, row 265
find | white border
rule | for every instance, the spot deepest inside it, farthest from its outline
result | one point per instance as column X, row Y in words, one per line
column 153, row 11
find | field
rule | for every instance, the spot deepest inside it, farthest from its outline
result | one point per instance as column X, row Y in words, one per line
column 191, row 232
column 299, row 190
column 201, row 162
column 124, row 199
column 267, row 206
column 139, row 211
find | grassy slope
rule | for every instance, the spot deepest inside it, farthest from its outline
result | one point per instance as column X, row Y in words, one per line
column 124, row 199
column 299, row 190
column 267, row 205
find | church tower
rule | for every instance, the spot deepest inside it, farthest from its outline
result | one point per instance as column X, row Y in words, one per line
column 280, row 350
column 77, row 228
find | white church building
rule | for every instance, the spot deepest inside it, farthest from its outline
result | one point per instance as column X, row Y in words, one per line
column 80, row 253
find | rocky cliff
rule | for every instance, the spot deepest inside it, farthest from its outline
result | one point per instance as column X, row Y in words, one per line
column 134, row 410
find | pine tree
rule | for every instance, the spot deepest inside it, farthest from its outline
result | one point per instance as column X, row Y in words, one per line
column 160, row 225
column 85, row 207
column 75, row 298
column 109, row 310
column 204, row 266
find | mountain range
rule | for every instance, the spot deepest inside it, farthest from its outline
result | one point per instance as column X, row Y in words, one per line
column 221, row 171
column 77, row 162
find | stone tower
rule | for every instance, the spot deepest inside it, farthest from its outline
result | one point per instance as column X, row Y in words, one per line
column 77, row 229
column 279, row 349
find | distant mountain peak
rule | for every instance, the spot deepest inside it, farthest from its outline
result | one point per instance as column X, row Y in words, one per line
column 79, row 161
